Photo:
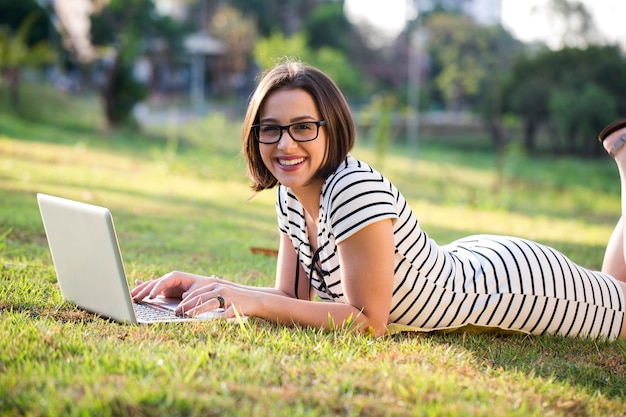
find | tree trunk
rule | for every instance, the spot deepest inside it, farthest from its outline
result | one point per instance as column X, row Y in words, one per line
column 11, row 76
column 108, row 93
column 495, row 128
column 530, row 131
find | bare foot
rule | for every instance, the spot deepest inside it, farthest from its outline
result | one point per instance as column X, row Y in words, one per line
column 612, row 136
column 615, row 141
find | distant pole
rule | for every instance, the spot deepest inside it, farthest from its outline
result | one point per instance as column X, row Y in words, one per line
column 197, row 82
column 413, row 84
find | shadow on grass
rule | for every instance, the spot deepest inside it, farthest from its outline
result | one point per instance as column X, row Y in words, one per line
column 596, row 366
column 64, row 313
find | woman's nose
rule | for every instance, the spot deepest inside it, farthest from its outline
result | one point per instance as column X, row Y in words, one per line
column 286, row 141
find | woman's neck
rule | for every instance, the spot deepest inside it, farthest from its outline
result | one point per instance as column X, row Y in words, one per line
column 309, row 198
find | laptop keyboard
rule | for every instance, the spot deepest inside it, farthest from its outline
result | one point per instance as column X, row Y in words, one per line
column 150, row 313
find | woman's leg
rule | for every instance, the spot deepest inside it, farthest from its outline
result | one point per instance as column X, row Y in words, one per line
column 614, row 262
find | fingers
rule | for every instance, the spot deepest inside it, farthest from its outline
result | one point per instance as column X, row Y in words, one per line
column 199, row 294
column 173, row 284
column 211, row 297
column 142, row 289
column 201, row 302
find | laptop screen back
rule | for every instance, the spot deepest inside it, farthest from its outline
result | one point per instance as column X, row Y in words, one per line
column 86, row 257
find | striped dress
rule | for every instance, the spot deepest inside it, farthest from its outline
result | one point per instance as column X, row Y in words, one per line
column 484, row 281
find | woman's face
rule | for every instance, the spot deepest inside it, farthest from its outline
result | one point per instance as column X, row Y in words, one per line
column 292, row 163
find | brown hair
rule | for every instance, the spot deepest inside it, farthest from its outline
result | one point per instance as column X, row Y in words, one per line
column 331, row 104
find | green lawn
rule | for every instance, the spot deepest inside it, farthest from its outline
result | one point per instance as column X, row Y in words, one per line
column 179, row 197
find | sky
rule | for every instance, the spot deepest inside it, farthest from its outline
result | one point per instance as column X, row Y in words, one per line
column 517, row 17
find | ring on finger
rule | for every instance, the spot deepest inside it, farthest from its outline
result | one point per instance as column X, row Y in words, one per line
column 220, row 299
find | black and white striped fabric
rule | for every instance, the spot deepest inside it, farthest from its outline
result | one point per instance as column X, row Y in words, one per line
column 482, row 281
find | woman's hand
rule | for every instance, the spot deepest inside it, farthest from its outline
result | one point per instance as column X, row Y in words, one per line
column 175, row 284
column 200, row 294
column 219, row 294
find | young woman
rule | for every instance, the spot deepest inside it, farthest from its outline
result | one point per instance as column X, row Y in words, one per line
column 349, row 236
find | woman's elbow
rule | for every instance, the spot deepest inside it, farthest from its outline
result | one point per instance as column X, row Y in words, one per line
column 375, row 328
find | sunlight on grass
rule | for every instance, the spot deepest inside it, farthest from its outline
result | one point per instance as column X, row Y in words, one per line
column 180, row 200
column 541, row 228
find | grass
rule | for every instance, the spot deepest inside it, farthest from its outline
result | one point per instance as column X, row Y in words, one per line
column 180, row 201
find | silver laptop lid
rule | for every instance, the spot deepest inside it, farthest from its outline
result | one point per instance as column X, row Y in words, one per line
column 86, row 257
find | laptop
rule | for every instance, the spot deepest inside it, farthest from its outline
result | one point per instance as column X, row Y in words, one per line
column 89, row 266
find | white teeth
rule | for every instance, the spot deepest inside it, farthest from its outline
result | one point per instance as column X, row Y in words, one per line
column 290, row 162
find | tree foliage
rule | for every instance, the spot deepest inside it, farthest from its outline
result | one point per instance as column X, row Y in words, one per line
column 327, row 26
column 14, row 12
column 465, row 58
column 284, row 16
column 277, row 47
column 16, row 54
column 574, row 23
column 239, row 34
column 468, row 63
column 544, row 87
column 579, row 113
column 124, row 29
column 322, row 33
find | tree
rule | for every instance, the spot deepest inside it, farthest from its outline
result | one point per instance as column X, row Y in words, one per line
column 465, row 57
column 541, row 88
column 14, row 12
column 468, row 62
column 526, row 95
column 239, row 35
column 124, row 28
column 284, row 16
column 573, row 21
column 577, row 113
column 327, row 26
column 334, row 63
column 16, row 54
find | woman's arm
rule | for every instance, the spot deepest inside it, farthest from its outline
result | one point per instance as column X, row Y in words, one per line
column 366, row 260
column 286, row 272
column 177, row 284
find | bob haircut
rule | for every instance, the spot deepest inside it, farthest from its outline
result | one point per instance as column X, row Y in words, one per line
column 331, row 105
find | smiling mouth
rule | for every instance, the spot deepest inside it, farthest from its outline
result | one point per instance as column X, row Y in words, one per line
column 290, row 162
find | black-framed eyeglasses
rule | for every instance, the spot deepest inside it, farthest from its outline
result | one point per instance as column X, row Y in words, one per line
column 300, row 131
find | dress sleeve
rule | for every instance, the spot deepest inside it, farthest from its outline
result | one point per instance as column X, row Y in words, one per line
column 358, row 199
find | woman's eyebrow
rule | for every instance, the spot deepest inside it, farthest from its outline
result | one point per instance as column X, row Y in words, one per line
column 273, row 120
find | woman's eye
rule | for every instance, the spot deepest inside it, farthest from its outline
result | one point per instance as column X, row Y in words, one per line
column 269, row 129
column 302, row 126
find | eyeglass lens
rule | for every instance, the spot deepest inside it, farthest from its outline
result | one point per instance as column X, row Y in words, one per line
column 300, row 132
